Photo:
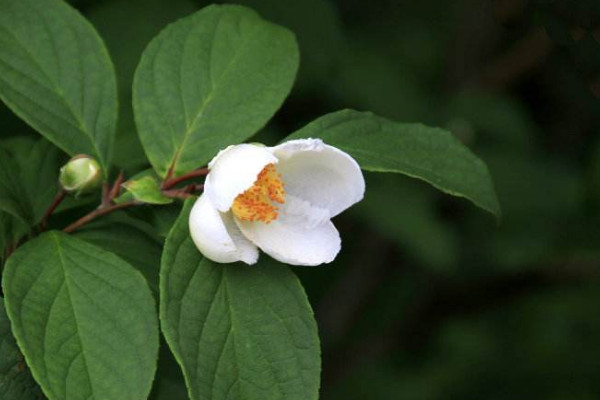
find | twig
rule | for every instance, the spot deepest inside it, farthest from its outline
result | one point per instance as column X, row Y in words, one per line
column 169, row 174
column 98, row 213
column 183, row 193
column 116, row 188
column 168, row 183
column 55, row 203
column 177, row 194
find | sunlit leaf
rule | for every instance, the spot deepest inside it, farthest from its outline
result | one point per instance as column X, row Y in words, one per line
column 238, row 332
column 84, row 319
column 56, row 74
column 210, row 80
column 146, row 190
column 416, row 150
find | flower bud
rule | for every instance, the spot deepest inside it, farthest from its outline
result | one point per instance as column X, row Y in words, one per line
column 82, row 174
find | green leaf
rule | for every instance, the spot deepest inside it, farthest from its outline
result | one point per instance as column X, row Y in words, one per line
column 84, row 319
column 430, row 154
column 321, row 41
column 131, row 240
column 146, row 190
column 139, row 21
column 56, row 74
column 238, row 332
column 16, row 382
column 210, row 80
column 13, row 196
column 11, row 230
column 39, row 164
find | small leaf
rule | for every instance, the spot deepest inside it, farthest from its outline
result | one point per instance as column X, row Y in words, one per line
column 83, row 318
column 56, row 74
column 146, row 190
column 16, row 382
column 210, row 80
column 430, row 154
column 238, row 332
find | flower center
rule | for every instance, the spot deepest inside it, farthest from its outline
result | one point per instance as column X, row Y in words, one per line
column 256, row 203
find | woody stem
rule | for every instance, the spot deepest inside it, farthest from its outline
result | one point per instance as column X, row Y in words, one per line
column 168, row 183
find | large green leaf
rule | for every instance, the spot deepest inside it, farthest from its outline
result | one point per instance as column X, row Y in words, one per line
column 416, row 150
column 210, row 80
column 16, row 382
column 56, row 74
column 131, row 239
column 84, row 319
column 238, row 332
column 139, row 21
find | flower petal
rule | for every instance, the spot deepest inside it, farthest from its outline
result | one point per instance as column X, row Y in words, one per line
column 302, row 235
column 234, row 170
column 321, row 174
column 217, row 236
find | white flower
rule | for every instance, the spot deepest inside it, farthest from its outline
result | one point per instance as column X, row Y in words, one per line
column 279, row 199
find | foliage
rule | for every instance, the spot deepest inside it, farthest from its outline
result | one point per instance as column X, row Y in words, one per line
column 429, row 298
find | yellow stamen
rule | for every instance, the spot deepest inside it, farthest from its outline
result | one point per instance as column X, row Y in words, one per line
column 256, row 203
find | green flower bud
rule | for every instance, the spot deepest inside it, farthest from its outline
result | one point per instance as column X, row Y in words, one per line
column 82, row 174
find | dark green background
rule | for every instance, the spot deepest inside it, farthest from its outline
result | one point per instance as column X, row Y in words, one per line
column 430, row 299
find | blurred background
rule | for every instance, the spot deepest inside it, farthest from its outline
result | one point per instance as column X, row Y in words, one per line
column 430, row 298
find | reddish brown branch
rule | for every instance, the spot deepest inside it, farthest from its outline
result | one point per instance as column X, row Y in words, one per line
column 168, row 183
column 116, row 187
column 169, row 173
column 55, row 203
column 184, row 193
column 177, row 194
column 98, row 213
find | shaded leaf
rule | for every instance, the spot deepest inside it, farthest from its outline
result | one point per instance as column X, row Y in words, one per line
column 39, row 164
column 16, row 382
column 13, row 196
column 11, row 230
